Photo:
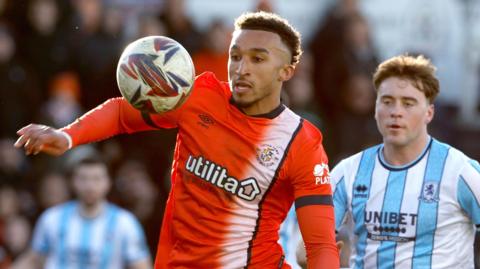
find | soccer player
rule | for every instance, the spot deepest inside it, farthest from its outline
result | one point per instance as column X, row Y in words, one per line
column 241, row 158
column 88, row 232
column 413, row 201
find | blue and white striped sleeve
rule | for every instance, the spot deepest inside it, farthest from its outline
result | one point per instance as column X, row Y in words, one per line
column 340, row 200
column 468, row 191
column 134, row 244
column 40, row 241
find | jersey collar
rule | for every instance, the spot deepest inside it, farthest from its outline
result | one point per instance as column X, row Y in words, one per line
column 388, row 166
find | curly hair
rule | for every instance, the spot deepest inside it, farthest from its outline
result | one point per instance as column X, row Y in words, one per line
column 271, row 22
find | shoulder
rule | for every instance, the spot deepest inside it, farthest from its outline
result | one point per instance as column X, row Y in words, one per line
column 122, row 217
column 61, row 211
column 349, row 166
column 208, row 81
column 308, row 134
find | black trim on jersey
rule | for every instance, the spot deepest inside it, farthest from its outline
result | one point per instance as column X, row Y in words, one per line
column 313, row 200
column 275, row 177
column 406, row 167
column 269, row 115
column 478, row 227
column 149, row 121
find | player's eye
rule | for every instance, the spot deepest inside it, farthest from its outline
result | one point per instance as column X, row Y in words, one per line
column 257, row 59
column 235, row 57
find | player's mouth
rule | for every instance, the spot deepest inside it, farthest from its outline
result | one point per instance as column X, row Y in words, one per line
column 242, row 86
column 394, row 127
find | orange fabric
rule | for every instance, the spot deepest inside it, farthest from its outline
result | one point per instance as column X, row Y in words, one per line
column 205, row 61
column 320, row 246
column 234, row 178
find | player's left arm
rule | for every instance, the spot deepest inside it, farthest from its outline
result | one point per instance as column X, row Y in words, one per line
column 468, row 191
column 309, row 172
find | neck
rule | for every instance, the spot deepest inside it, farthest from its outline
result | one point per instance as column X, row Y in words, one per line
column 401, row 155
column 91, row 210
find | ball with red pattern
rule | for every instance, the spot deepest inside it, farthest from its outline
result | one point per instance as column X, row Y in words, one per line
column 155, row 74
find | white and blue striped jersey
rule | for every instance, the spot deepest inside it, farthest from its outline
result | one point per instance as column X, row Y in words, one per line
column 421, row 215
column 112, row 240
column 290, row 237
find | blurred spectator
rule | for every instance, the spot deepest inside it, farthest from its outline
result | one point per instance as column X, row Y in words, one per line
column 13, row 164
column 9, row 206
column 93, row 232
column 53, row 190
column 264, row 5
column 19, row 96
column 17, row 235
column 62, row 106
column 179, row 25
column 149, row 24
column 48, row 53
column 299, row 91
column 341, row 44
column 137, row 193
column 214, row 53
column 95, row 44
column 357, row 104
column 342, row 48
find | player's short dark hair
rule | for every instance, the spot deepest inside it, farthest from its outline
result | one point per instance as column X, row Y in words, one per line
column 92, row 159
column 271, row 22
column 418, row 70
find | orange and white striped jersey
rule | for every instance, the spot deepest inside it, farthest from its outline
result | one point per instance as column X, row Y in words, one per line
column 234, row 178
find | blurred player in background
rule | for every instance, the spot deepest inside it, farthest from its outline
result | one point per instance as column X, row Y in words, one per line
column 411, row 202
column 88, row 232
column 241, row 159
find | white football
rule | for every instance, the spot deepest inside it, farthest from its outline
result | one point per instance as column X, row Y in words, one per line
column 155, row 74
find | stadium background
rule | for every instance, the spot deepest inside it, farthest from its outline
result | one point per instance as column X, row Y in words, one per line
column 58, row 60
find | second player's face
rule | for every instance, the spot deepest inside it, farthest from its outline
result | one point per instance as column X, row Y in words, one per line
column 402, row 113
column 258, row 64
column 91, row 183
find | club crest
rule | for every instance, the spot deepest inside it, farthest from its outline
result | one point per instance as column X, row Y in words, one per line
column 429, row 192
column 267, row 155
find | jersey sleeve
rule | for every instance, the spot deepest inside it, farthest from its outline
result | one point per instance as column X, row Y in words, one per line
column 40, row 242
column 134, row 244
column 468, row 191
column 340, row 198
column 115, row 116
column 310, row 178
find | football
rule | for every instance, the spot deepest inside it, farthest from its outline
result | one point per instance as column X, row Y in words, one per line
column 155, row 74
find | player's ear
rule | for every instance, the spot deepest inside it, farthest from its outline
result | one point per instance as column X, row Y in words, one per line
column 286, row 72
column 430, row 113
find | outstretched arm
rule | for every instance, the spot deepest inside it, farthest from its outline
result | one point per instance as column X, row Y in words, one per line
column 113, row 117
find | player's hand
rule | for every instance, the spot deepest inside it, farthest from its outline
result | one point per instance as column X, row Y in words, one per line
column 35, row 138
column 340, row 246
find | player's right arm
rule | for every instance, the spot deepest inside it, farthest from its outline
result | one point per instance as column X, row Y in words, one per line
column 115, row 116
column 29, row 260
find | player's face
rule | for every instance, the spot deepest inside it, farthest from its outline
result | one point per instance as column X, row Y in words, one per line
column 402, row 113
column 91, row 183
column 259, row 63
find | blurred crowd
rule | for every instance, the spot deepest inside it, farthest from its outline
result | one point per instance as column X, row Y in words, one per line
column 58, row 60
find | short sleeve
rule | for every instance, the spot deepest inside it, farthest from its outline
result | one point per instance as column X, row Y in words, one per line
column 340, row 200
column 40, row 241
column 468, row 191
column 308, row 169
column 134, row 243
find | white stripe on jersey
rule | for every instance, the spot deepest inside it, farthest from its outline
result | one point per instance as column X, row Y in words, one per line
column 245, row 217
column 113, row 239
column 411, row 216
